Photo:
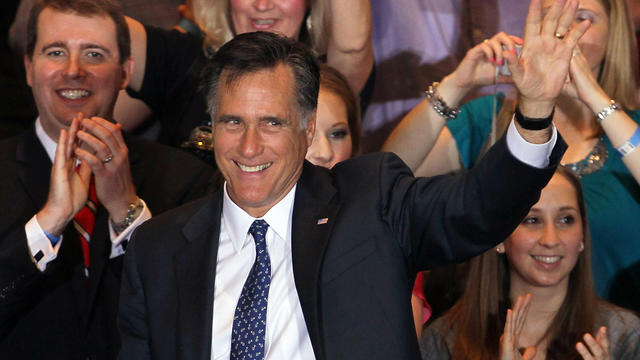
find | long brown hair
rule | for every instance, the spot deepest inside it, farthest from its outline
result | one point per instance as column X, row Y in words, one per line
column 478, row 317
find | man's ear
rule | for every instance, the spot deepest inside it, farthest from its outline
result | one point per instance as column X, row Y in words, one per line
column 28, row 64
column 311, row 127
column 127, row 71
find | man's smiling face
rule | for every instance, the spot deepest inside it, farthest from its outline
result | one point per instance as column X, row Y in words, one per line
column 75, row 67
column 258, row 137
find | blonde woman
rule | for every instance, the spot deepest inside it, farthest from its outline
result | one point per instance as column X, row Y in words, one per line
column 167, row 64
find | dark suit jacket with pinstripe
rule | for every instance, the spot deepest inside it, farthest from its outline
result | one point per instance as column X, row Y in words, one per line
column 353, row 274
column 58, row 314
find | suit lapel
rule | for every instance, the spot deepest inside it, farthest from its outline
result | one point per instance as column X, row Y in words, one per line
column 138, row 170
column 314, row 214
column 36, row 170
column 195, row 268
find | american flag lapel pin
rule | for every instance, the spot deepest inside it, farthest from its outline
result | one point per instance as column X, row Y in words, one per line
column 323, row 221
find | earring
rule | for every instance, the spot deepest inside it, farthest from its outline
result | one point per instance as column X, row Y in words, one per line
column 309, row 24
column 500, row 249
column 581, row 245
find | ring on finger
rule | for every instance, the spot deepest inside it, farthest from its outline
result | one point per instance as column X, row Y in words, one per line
column 107, row 159
column 557, row 35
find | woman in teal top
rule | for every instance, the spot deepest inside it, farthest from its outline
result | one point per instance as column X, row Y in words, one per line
column 602, row 69
column 611, row 194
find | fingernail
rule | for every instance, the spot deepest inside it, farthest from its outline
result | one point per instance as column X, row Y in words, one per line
column 493, row 60
column 500, row 62
column 514, row 51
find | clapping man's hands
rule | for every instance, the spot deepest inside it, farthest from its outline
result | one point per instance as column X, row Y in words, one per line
column 69, row 186
column 105, row 151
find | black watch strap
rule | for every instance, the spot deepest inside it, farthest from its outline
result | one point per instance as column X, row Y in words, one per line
column 533, row 123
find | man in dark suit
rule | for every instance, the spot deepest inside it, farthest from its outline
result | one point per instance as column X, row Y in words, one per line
column 294, row 261
column 64, row 227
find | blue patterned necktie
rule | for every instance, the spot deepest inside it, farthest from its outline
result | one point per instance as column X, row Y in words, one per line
column 250, row 319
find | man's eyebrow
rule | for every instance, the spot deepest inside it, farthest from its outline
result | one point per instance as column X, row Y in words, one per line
column 225, row 117
column 60, row 44
column 274, row 118
column 95, row 46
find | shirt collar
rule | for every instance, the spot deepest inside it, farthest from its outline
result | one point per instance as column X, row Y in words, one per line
column 49, row 144
column 237, row 222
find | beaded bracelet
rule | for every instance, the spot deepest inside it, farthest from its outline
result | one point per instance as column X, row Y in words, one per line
column 630, row 145
column 439, row 105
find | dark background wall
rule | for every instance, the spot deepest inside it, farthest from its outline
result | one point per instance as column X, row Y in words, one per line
column 16, row 105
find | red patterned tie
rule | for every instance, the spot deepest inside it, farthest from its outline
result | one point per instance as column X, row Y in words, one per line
column 84, row 222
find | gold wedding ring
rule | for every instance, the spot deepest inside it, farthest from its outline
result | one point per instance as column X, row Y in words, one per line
column 558, row 36
column 107, row 159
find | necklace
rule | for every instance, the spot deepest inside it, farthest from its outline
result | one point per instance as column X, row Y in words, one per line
column 592, row 163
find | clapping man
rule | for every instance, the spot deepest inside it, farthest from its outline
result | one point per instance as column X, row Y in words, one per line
column 74, row 188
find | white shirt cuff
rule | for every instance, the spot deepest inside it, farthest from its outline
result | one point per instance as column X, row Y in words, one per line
column 42, row 252
column 118, row 240
column 536, row 155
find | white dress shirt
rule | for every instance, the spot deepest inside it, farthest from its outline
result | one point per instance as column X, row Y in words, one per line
column 286, row 332
column 536, row 155
column 38, row 241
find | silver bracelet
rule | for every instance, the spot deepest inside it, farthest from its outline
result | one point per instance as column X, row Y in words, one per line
column 439, row 105
column 613, row 106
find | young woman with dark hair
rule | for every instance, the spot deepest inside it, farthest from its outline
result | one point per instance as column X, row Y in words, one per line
column 549, row 257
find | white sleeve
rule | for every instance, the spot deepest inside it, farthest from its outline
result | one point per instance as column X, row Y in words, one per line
column 42, row 252
column 536, row 155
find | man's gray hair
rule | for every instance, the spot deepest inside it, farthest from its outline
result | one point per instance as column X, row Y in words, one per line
column 252, row 52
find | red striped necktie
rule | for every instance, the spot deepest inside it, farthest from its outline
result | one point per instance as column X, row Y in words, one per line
column 84, row 222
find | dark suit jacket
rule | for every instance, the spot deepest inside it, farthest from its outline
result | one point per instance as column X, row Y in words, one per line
column 58, row 314
column 353, row 274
